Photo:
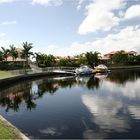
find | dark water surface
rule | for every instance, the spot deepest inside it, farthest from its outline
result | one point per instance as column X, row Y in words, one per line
column 101, row 106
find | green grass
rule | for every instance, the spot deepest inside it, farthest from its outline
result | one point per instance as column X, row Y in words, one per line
column 5, row 74
column 7, row 132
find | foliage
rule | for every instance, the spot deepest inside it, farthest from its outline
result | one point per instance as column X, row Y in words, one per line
column 82, row 60
column 13, row 52
column 120, row 58
column 10, row 66
column 138, row 58
column 26, row 53
column 67, row 62
column 1, row 56
column 5, row 53
column 92, row 58
column 45, row 60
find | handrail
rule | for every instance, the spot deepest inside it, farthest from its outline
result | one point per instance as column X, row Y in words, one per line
column 36, row 68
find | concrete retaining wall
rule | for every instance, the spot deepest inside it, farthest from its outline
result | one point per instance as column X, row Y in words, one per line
column 11, row 80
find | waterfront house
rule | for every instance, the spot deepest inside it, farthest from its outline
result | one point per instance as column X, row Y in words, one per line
column 19, row 60
column 129, row 53
column 107, row 57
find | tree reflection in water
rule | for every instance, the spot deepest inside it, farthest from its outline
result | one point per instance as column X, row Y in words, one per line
column 93, row 83
column 28, row 92
column 122, row 76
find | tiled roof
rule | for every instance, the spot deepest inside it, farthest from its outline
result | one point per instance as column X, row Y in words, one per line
column 19, row 49
column 125, row 52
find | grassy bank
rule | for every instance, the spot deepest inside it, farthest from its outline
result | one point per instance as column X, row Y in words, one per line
column 5, row 74
column 8, row 132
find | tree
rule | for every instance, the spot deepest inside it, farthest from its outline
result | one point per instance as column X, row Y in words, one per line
column 50, row 60
column 62, row 62
column 1, row 56
column 45, row 60
column 26, row 53
column 81, row 60
column 138, row 59
column 92, row 58
column 13, row 52
column 37, row 56
column 5, row 53
column 96, row 60
column 120, row 58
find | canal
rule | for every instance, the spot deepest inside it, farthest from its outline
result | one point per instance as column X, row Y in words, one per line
column 100, row 106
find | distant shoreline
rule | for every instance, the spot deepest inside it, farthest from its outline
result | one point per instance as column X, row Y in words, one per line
column 124, row 67
column 25, row 77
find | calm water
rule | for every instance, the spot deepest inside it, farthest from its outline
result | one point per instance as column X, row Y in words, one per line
column 101, row 106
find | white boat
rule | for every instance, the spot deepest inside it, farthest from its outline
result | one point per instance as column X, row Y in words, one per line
column 84, row 70
column 101, row 68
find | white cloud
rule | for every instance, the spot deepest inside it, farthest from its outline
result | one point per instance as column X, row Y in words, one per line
column 9, row 23
column 7, row 1
column 127, row 39
column 132, row 12
column 48, row 2
column 100, row 16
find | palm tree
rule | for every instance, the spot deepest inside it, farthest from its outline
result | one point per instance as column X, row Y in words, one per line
column 26, row 51
column 13, row 52
column 1, row 56
column 37, row 56
column 5, row 53
column 92, row 58
column 96, row 57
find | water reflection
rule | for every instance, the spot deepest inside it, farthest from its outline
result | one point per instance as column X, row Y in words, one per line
column 101, row 75
column 29, row 92
column 121, row 77
column 90, row 82
column 12, row 97
column 105, row 112
column 135, row 111
column 100, row 106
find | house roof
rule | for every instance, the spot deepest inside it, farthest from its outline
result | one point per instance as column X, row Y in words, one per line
column 19, row 49
column 123, row 52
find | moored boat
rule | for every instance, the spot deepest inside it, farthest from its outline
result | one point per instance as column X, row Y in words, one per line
column 101, row 68
column 84, row 70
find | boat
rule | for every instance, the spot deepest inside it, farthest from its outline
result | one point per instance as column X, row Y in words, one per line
column 101, row 68
column 84, row 70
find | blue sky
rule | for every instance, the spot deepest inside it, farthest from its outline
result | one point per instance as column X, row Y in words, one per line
column 70, row 27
